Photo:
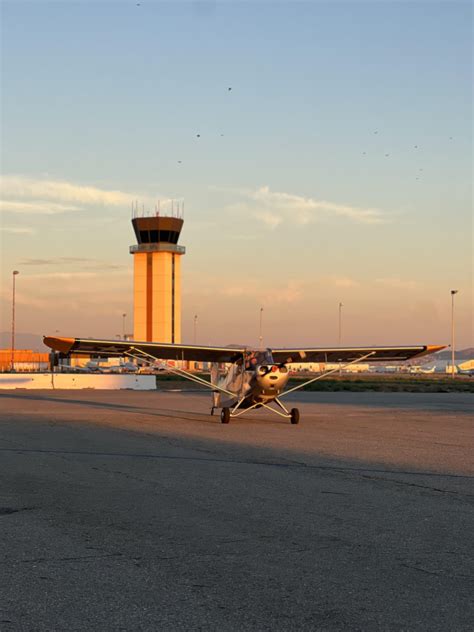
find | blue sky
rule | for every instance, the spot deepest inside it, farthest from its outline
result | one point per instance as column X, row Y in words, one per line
column 338, row 167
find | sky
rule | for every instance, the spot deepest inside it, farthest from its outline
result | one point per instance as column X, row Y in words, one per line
column 337, row 168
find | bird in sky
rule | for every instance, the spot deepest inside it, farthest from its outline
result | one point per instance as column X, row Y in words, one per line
column 229, row 89
column 198, row 135
column 179, row 162
column 376, row 132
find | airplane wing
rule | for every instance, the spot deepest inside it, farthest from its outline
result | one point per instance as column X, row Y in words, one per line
column 159, row 351
column 351, row 354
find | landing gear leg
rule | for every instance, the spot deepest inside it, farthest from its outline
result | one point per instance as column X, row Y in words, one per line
column 225, row 415
column 295, row 416
column 212, row 410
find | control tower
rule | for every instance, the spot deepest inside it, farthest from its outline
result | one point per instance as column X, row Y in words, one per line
column 157, row 276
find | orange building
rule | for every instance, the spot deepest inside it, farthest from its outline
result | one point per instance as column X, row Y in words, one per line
column 157, row 279
column 24, row 360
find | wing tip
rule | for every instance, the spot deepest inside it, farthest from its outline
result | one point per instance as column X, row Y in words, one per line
column 64, row 345
column 429, row 349
column 434, row 348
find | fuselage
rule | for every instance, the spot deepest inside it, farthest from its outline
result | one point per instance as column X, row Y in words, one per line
column 255, row 379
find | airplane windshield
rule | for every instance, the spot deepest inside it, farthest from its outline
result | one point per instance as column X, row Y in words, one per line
column 257, row 358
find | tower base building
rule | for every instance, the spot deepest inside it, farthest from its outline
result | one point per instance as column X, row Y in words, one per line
column 157, row 279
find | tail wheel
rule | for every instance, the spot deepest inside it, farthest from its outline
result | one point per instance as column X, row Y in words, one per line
column 225, row 415
column 295, row 416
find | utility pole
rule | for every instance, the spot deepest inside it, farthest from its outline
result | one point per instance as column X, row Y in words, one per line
column 124, row 316
column 453, row 292
column 195, row 328
column 14, row 273
column 340, row 324
column 261, row 331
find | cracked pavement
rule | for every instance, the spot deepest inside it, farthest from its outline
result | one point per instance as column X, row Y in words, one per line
column 139, row 511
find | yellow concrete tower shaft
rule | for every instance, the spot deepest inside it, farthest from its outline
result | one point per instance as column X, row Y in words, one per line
column 157, row 279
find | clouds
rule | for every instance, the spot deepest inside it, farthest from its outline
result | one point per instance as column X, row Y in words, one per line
column 82, row 262
column 36, row 208
column 16, row 230
column 291, row 292
column 398, row 284
column 273, row 208
column 25, row 195
column 345, row 282
column 72, row 292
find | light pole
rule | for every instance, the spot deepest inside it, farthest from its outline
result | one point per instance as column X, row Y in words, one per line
column 261, row 330
column 195, row 328
column 341, row 305
column 14, row 273
column 453, row 292
column 124, row 316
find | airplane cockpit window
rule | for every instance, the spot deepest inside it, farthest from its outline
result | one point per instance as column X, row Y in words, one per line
column 257, row 358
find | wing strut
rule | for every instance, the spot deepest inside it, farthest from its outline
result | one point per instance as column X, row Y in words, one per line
column 320, row 377
column 143, row 356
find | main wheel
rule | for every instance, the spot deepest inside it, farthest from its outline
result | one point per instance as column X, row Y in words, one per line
column 225, row 415
column 295, row 416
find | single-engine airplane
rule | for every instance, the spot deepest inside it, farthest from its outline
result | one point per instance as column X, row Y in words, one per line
column 254, row 378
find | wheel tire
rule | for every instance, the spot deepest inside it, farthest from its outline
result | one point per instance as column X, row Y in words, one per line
column 225, row 415
column 295, row 416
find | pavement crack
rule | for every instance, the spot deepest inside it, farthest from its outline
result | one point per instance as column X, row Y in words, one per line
column 77, row 558
column 6, row 511
column 437, row 573
column 407, row 484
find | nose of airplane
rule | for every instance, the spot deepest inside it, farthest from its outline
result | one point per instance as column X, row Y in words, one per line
column 272, row 377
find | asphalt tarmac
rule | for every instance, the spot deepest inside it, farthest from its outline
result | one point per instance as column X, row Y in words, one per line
column 139, row 511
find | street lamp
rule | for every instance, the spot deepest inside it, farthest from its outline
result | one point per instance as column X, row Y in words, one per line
column 261, row 331
column 124, row 316
column 453, row 292
column 14, row 273
column 195, row 328
column 341, row 305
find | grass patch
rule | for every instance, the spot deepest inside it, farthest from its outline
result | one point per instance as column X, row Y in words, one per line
column 363, row 383
column 389, row 384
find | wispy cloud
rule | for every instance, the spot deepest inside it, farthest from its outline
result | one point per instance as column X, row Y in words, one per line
column 345, row 282
column 291, row 292
column 28, row 188
column 84, row 262
column 21, row 194
column 36, row 208
column 396, row 283
column 47, row 262
column 64, row 276
column 16, row 230
column 275, row 207
column 74, row 294
column 270, row 219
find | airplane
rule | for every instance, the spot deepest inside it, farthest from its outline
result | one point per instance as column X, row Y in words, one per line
column 255, row 378
column 469, row 372
column 420, row 369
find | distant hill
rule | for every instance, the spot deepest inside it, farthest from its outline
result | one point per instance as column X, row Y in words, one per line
column 461, row 354
column 22, row 341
